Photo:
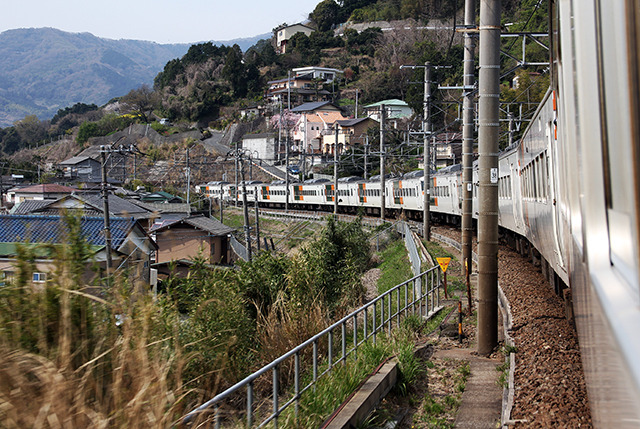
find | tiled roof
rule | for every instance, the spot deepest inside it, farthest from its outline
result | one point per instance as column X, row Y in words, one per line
column 94, row 206
column 117, row 206
column 163, row 207
column 46, row 188
column 309, row 107
column 30, row 206
column 207, row 224
column 52, row 229
column 76, row 160
column 327, row 117
column 352, row 122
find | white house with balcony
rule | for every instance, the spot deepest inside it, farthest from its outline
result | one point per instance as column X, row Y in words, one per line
column 328, row 75
column 283, row 34
column 395, row 110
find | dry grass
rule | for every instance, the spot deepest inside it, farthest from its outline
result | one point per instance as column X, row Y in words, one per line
column 127, row 381
column 286, row 327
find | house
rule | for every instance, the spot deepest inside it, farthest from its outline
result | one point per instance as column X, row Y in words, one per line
column 131, row 247
column 160, row 197
column 327, row 75
column 351, row 132
column 250, row 112
column 315, row 120
column 180, row 241
column 296, row 90
column 284, row 33
column 395, row 110
column 447, row 149
column 85, row 204
column 81, row 169
column 46, row 191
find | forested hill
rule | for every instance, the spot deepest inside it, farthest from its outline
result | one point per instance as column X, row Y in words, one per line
column 43, row 70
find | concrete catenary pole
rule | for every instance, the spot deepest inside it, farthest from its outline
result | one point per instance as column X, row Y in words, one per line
column 468, row 128
column 489, row 105
column 257, row 220
column 382, row 184
column 335, row 173
column 426, row 132
column 105, row 201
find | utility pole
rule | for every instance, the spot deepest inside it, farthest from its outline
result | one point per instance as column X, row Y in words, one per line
column 468, row 128
column 426, row 133
column 188, row 172
column 335, row 173
column 221, row 200
column 366, row 149
column 382, row 184
column 426, row 151
column 245, row 210
column 489, row 109
column 105, row 207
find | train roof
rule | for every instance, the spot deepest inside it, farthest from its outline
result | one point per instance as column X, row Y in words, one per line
column 376, row 178
column 351, row 179
column 450, row 169
column 318, row 180
column 413, row 174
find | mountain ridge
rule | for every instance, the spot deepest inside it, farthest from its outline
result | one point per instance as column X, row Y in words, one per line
column 45, row 69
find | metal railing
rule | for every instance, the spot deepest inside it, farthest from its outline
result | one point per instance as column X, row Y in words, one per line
column 319, row 355
column 410, row 244
column 239, row 248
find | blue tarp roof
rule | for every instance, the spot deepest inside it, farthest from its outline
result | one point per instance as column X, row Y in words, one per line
column 52, row 229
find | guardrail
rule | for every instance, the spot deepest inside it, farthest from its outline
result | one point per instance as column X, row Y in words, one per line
column 318, row 355
column 239, row 248
column 410, row 244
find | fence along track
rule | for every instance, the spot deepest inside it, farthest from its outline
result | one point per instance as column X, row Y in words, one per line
column 334, row 345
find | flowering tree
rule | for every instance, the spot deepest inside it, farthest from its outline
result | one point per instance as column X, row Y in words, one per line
column 289, row 120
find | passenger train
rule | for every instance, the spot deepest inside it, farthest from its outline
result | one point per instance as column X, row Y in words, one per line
column 570, row 187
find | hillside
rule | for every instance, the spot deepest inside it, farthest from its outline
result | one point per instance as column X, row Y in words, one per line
column 43, row 70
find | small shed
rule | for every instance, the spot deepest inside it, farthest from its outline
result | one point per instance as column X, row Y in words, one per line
column 187, row 238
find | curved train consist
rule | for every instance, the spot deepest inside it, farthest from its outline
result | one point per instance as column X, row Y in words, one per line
column 571, row 187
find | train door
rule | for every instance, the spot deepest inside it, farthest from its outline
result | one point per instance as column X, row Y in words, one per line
column 553, row 158
column 517, row 197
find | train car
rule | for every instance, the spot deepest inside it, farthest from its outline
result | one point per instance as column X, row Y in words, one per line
column 446, row 192
column 272, row 195
column 313, row 194
column 596, row 81
column 369, row 196
column 212, row 189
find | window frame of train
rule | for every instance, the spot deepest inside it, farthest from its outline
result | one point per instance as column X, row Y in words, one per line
column 621, row 151
column 397, row 192
column 329, row 192
column 362, row 192
column 265, row 193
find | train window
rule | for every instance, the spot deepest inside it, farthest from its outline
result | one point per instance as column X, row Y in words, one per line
column 620, row 123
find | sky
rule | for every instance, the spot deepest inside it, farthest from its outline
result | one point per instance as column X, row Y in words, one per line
column 161, row 21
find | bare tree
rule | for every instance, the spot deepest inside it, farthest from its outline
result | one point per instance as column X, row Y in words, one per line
column 142, row 101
